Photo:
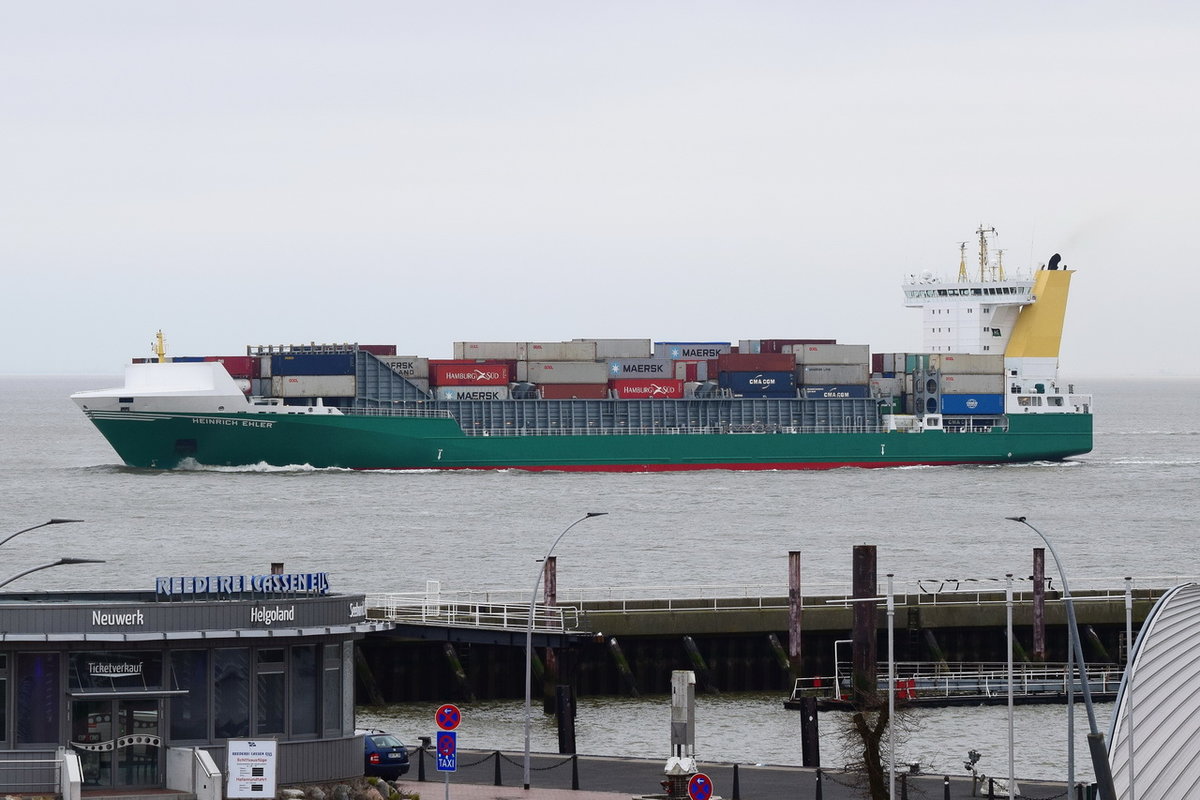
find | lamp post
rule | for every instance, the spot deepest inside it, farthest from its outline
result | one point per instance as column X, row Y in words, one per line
column 529, row 633
column 60, row 563
column 1100, row 763
column 54, row 521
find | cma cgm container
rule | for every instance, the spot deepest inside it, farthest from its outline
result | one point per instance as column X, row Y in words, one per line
column 760, row 384
column 690, row 350
column 562, row 371
column 972, row 404
column 470, row 373
column 620, row 348
column 573, row 391
column 472, row 393
column 832, row 374
column 635, row 389
column 238, row 366
column 641, row 368
column 831, row 353
column 973, row 384
column 313, row 364
column 834, row 392
column 312, row 385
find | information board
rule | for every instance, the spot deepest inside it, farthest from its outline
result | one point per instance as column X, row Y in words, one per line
column 250, row 765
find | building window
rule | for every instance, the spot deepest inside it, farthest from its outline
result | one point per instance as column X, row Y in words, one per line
column 269, row 681
column 39, row 695
column 189, row 712
column 116, row 671
column 305, row 690
column 231, row 693
column 332, row 686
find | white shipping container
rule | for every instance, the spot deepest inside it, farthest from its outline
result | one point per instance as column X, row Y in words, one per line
column 830, row 353
column 503, row 351
column 472, row 393
column 973, row 384
column 562, row 371
column 620, row 348
column 558, row 351
column 749, row 345
column 407, row 366
column 312, row 386
column 886, row 387
column 966, row 363
column 832, row 374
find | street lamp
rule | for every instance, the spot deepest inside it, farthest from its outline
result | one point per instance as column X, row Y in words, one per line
column 61, row 562
column 1104, row 779
column 529, row 632
column 54, row 521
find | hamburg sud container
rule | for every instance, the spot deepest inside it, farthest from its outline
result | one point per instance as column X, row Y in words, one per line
column 641, row 368
column 470, row 373
column 573, row 391
column 638, row 389
column 760, row 384
column 583, row 372
column 690, row 350
column 472, row 393
column 973, row 384
column 313, row 364
column 973, row 404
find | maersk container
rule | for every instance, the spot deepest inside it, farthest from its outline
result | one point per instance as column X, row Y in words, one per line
column 639, row 389
column 312, row 364
column 831, row 353
column 488, row 350
column 470, row 373
column 832, row 374
column 967, row 363
column 641, row 368
column 620, row 348
column 582, row 372
column 408, row 366
column 573, row 391
column 312, row 386
column 472, row 392
column 760, row 384
column 972, row 384
column 972, row 404
column 690, row 350
column 834, row 392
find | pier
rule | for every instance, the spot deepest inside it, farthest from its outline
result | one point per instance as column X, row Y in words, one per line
column 627, row 641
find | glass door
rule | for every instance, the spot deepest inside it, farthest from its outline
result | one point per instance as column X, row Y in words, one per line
column 119, row 742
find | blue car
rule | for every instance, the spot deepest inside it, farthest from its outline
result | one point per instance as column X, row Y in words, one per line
column 385, row 756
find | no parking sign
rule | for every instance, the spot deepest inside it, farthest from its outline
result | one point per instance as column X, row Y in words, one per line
column 700, row 787
column 447, row 718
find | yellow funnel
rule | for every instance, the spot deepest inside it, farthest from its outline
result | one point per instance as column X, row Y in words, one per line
column 1039, row 327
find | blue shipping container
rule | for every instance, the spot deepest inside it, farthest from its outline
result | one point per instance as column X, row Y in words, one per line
column 188, row 359
column 313, row 364
column 972, row 404
column 835, row 392
column 758, row 384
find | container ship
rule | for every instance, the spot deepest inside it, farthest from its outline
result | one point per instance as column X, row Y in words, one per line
column 984, row 390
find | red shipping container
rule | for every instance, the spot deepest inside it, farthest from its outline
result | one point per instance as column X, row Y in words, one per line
column 573, row 391
column 776, row 345
column 877, row 363
column 470, row 373
column 756, row 362
column 379, row 349
column 238, row 366
column 638, row 389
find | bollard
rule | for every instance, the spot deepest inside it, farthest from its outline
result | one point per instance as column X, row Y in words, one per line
column 946, row 787
column 1079, row 791
column 737, row 789
column 818, row 794
column 991, row 789
column 903, row 786
column 575, row 772
column 497, row 779
column 421, row 758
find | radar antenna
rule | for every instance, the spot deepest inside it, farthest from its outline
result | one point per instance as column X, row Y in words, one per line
column 983, row 249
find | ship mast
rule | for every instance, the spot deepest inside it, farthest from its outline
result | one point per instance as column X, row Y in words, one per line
column 159, row 347
column 983, row 250
column 962, row 262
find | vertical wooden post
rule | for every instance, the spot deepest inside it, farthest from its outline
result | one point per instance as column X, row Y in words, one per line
column 795, row 609
column 550, row 599
column 1039, row 604
column 865, row 662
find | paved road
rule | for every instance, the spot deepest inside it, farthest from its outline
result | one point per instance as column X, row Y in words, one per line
column 600, row 778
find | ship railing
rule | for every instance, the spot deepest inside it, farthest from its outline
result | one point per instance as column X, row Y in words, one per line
column 941, row 679
column 454, row 612
column 380, row 411
column 671, row 430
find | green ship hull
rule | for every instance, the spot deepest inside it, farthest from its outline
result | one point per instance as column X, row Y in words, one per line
column 169, row 440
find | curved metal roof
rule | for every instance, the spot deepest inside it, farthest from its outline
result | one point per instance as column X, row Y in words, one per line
column 1159, row 701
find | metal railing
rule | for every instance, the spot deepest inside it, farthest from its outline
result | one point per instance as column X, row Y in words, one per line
column 31, row 771
column 455, row 612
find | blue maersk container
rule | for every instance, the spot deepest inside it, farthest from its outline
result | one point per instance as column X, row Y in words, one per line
column 313, row 364
column 760, row 384
column 972, row 404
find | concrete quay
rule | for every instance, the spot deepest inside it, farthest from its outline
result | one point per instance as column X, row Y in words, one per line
column 611, row 778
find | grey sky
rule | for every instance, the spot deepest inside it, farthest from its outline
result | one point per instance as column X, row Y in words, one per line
column 418, row 173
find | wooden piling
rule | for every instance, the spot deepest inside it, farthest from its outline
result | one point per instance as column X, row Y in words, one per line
column 460, row 674
column 864, row 680
column 614, row 647
column 795, row 609
column 550, row 599
column 363, row 671
column 696, row 659
column 1039, row 604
